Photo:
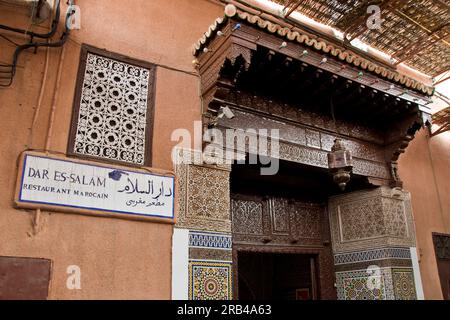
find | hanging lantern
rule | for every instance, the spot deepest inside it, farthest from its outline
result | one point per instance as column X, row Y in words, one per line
column 340, row 164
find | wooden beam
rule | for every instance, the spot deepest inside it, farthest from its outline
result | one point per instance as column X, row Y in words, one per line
column 421, row 44
column 442, row 80
column 401, row 14
column 293, row 8
column 441, row 71
column 442, row 129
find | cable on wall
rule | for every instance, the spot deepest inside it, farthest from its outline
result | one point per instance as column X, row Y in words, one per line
column 10, row 69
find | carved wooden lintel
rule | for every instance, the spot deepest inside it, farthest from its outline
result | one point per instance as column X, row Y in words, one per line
column 229, row 58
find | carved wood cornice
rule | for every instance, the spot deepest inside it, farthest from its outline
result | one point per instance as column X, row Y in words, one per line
column 227, row 26
column 223, row 58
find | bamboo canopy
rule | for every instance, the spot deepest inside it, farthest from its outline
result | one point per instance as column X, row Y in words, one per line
column 442, row 119
column 413, row 32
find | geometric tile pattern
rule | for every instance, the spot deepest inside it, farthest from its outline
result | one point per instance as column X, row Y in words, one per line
column 404, row 287
column 373, row 228
column 354, row 285
column 357, row 289
column 210, row 280
column 209, row 240
column 210, row 263
column 204, row 208
column 370, row 255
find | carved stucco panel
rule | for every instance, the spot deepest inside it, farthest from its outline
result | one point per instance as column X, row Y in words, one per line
column 395, row 218
column 369, row 219
column 361, row 219
column 303, row 155
column 203, row 198
column 206, row 189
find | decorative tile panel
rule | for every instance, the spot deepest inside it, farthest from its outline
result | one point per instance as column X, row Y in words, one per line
column 373, row 228
column 353, row 285
column 404, row 286
column 371, row 255
column 210, row 280
column 356, row 289
column 204, row 201
column 210, row 260
column 384, row 263
column 209, row 240
column 112, row 119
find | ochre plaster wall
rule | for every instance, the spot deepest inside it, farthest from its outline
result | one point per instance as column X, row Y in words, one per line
column 425, row 170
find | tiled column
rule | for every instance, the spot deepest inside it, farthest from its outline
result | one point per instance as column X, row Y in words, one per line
column 204, row 214
column 372, row 236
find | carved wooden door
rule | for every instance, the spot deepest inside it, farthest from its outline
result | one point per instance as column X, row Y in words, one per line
column 277, row 220
column 274, row 226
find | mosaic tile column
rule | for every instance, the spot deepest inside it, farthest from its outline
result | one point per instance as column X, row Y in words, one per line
column 209, row 266
column 373, row 235
column 204, row 215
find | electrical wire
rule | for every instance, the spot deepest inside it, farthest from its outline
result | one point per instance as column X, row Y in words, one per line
column 41, row 94
column 33, row 12
column 21, row 48
column 163, row 66
column 9, row 40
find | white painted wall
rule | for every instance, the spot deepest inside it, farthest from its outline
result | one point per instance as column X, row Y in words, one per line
column 416, row 270
column 180, row 264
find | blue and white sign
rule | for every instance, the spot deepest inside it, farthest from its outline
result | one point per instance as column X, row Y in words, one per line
column 65, row 183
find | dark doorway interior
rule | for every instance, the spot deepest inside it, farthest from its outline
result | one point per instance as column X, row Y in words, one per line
column 275, row 276
column 293, row 180
column 281, row 234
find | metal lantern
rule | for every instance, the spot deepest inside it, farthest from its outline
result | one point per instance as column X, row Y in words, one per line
column 340, row 164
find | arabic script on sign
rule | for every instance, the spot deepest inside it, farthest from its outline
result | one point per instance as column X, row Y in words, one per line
column 66, row 183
